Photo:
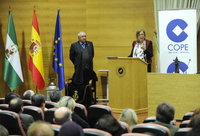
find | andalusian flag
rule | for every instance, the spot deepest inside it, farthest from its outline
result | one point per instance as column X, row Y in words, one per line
column 58, row 54
column 35, row 61
column 12, row 65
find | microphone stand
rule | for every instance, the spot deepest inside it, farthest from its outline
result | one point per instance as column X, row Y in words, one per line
column 187, row 66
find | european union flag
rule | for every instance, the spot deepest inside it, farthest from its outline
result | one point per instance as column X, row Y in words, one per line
column 58, row 54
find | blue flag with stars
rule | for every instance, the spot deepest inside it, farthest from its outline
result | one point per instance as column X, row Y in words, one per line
column 58, row 54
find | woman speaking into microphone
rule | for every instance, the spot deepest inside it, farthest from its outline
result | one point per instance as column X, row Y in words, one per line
column 142, row 48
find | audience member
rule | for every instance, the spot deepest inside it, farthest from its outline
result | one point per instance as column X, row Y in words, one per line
column 38, row 100
column 28, row 94
column 67, row 101
column 195, row 123
column 71, row 129
column 110, row 124
column 164, row 114
column 3, row 131
column 56, row 96
column 196, row 112
column 10, row 96
column 16, row 105
column 129, row 116
column 62, row 115
column 40, row 128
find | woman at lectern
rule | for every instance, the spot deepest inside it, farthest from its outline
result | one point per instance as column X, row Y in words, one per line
column 142, row 48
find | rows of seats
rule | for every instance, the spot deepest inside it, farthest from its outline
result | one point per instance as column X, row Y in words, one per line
column 91, row 115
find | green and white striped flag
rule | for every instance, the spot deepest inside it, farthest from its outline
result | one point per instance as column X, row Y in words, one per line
column 12, row 65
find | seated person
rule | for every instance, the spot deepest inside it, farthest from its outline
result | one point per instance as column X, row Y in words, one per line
column 109, row 124
column 196, row 112
column 16, row 105
column 195, row 123
column 129, row 116
column 10, row 96
column 62, row 115
column 164, row 114
column 28, row 94
column 68, row 101
column 56, row 96
column 71, row 128
column 38, row 100
column 40, row 128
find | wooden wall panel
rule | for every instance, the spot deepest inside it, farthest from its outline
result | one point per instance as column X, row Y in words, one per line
column 109, row 24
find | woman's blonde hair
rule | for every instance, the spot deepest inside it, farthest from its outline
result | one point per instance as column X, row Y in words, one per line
column 66, row 101
column 129, row 116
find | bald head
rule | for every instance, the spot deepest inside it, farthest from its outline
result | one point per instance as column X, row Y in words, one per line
column 62, row 115
column 28, row 94
column 16, row 105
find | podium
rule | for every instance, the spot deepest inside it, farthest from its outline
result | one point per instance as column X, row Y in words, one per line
column 127, row 83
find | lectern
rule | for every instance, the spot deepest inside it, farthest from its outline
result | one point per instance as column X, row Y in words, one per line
column 127, row 83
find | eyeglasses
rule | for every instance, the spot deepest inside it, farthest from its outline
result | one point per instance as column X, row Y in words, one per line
column 140, row 34
column 83, row 36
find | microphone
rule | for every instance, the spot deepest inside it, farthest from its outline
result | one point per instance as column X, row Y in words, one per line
column 187, row 66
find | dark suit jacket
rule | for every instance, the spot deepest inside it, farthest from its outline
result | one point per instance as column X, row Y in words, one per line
column 26, row 120
column 76, row 58
column 80, row 121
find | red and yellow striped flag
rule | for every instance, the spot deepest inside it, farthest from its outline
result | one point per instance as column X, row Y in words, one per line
column 35, row 61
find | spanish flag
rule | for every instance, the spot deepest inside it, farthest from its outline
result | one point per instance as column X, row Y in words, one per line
column 35, row 61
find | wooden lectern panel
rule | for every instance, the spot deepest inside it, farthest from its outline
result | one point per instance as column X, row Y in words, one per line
column 127, row 83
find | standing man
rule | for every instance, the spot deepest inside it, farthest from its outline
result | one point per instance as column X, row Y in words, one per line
column 81, row 55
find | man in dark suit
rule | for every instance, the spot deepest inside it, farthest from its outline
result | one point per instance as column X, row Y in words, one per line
column 81, row 55
column 16, row 105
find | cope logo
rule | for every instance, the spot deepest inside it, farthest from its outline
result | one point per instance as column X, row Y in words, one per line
column 175, row 30
column 182, row 67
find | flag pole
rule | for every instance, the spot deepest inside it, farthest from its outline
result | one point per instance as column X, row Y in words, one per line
column 36, row 89
column 9, row 8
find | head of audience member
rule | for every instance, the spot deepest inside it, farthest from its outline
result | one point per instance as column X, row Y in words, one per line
column 82, row 36
column 71, row 128
column 165, row 112
column 130, row 117
column 16, row 105
column 9, row 96
column 28, row 94
column 3, row 131
column 66, row 101
column 40, row 128
column 62, row 115
column 195, row 124
column 109, row 124
column 56, row 96
column 38, row 100
column 196, row 112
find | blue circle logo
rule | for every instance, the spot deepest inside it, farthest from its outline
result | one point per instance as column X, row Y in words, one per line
column 175, row 30
column 182, row 66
